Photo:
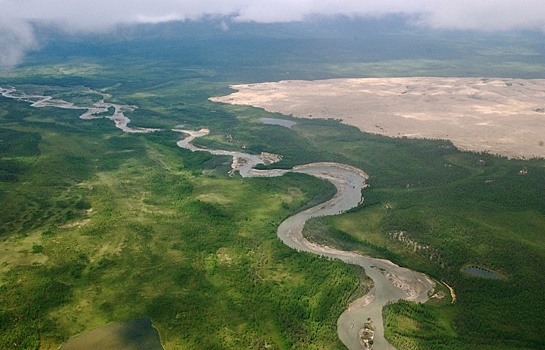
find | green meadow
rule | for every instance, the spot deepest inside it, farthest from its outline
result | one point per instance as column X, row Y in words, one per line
column 99, row 226
column 462, row 212
column 102, row 226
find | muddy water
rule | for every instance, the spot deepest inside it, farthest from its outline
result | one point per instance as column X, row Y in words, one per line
column 91, row 112
column 391, row 282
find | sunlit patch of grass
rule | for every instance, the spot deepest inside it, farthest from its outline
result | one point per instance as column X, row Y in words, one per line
column 74, row 67
column 131, row 252
column 22, row 251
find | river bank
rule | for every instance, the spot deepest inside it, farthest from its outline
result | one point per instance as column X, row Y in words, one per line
column 91, row 112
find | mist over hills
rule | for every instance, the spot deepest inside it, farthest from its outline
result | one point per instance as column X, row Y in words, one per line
column 366, row 46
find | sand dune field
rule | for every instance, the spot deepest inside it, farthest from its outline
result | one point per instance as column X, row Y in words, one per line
column 496, row 115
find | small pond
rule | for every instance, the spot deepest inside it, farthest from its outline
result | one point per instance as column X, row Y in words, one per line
column 282, row 122
column 480, row 272
column 129, row 335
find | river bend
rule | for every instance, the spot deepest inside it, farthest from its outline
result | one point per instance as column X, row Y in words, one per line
column 391, row 282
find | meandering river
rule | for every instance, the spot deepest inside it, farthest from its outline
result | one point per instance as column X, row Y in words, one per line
column 391, row 282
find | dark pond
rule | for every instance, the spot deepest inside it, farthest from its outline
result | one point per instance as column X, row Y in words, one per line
column 480, row 272
column 129, row 335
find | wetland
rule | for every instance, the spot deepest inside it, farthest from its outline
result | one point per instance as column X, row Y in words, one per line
column 390, row 281
column 129, row 335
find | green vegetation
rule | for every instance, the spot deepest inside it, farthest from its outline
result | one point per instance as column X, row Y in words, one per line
column 468, row 209
column 103, row 226
column 98, row 226
column 419, row 326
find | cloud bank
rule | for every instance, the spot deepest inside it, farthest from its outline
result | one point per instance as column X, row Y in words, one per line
column 16, row 38
column 16, row 34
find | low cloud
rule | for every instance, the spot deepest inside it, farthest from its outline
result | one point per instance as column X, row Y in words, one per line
column 16, row 35
column 16, row 38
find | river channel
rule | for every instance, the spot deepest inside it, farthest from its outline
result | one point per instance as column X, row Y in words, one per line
column 391, row 282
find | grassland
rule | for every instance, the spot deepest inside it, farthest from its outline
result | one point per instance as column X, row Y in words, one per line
column 122, row 225
column 98, row 226
column 475, row 209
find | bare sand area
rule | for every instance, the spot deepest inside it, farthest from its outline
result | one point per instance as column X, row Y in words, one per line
column 497, row 115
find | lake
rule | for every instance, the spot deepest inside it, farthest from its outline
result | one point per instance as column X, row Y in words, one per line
column 133, row 334
column 480, row 272
column 282, row 122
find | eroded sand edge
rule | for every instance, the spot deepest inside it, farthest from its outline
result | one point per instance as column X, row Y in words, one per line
column 497, row 115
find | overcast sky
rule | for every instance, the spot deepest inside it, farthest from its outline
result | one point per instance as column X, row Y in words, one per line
column 17, row 36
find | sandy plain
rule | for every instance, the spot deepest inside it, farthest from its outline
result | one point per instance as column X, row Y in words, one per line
column 496, row 115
